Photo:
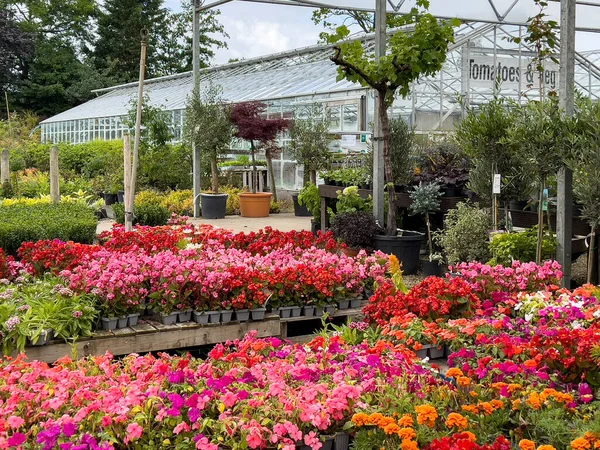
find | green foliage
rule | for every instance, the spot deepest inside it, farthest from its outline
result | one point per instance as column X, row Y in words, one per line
column 508, row 247
column 465, row 234
column 309, row 197
column 402, row 141
column 65, row 221
column 310, row 140
column 149, row 210
column 208, row 126
column 349, row 200
column 481, row 135
column 426, row 198
column 7, row 190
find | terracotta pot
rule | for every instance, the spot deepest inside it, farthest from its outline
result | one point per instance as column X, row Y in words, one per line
column 348, row 251
column 255, row 205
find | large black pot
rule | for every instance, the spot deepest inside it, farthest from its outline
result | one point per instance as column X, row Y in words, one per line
column 452, row 191
column 214, row 206
column 406, row 248
column 110, row 199
column 300, row 210
column 121, row 197
column 517, row 205
column 432, row 268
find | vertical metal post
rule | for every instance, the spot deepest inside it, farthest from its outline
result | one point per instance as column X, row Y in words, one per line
column 5, row 166
column 564, row 217
column 378, row 161
column 196, row 166
column 441, row 97
column 520, row 62
column 54, row 176
column 496, row 74
column 138, row 126
column 127, row 180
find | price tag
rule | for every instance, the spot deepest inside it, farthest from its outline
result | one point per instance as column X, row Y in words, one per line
column 496, row 184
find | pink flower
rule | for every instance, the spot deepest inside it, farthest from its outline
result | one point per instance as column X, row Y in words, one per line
column 312, row 440
column 15, row 422
column 134, row 432
column 183, row 426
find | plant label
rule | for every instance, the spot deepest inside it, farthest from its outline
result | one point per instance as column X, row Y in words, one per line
column 496, row 183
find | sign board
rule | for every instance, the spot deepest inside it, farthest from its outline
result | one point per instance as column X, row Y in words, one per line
column 363, row 138
column 496, row 184
column 349, row 140
column 483, row 71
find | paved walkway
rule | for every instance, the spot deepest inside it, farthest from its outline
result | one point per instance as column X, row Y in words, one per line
column 282, row 222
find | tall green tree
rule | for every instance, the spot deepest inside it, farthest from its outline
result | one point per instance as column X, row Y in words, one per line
column 117, row 48
column 412, row 53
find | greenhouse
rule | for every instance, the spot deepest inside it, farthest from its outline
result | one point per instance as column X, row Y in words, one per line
column 288, row 80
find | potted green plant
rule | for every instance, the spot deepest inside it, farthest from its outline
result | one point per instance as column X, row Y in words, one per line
column 209, row 126
column 426, row 198
column 309, row 197
column 355, row 229
column 309, row 145
column 252, row 126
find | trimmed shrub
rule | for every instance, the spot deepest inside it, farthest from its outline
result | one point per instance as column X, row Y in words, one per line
column 65, row 221
column 149, row 210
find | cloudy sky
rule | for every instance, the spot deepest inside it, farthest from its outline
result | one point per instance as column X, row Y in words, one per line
column 259, row 29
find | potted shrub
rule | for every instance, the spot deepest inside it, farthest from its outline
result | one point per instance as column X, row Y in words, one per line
column 309, row 198
column 309, row 145
column 444, row 163
column 208, row 124
column 355, row 229
column 426, row 198
column 252, row 126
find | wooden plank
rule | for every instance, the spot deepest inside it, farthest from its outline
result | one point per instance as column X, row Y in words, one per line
column 168, row 339
column 102, row 334
column 143, row 327
column 123, row 332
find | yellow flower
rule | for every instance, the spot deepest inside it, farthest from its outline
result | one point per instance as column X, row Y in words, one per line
column 457, row 420
column 394, row 264
column 526, row 444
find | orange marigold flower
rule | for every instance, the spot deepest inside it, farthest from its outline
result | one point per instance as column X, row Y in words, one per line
column 409, row 445
column 391, row 428
column 498, row 385
column 360, row 419
column 497, row 404
column 473, row 394
column 454, row 372
column 407, row 433
column 457, row 420
column 463, row 381
column 470, row 408
column 526, row 444
column 580, row 444
column 486, row 408
column 471, row 436
column 516, row 405
column 426, row 414
column 514, row 387
column 534, row 400
column 406, row 421
column 590, row 436
column 546, row 447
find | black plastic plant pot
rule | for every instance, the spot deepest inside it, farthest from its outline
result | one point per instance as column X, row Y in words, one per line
column 214, row 206
column 300, row 210
column 452, row 191
column 407, row 249
column 432, row 268
column 110, row 199
column 315, row 227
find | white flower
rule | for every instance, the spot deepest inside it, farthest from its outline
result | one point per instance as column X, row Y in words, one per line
column 528, row 317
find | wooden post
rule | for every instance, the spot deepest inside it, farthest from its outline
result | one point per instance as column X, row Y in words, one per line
column 54, row 185
column 138, row 121
column 127, row 181
column 5, row 167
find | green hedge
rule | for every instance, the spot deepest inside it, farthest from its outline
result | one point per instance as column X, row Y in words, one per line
column 65, row 221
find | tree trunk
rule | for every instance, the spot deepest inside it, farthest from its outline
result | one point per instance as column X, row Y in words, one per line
column 214, row 172
column 254, row 178
column 591, row 253
column 269, row 159
column 538, row 257
column 392, row 228
column 313, row 177
column 429, row 235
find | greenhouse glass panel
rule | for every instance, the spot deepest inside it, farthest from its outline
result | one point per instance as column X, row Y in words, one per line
column 350, row 118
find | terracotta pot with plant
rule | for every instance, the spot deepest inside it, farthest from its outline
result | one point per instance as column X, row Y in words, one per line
column 252, row 125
